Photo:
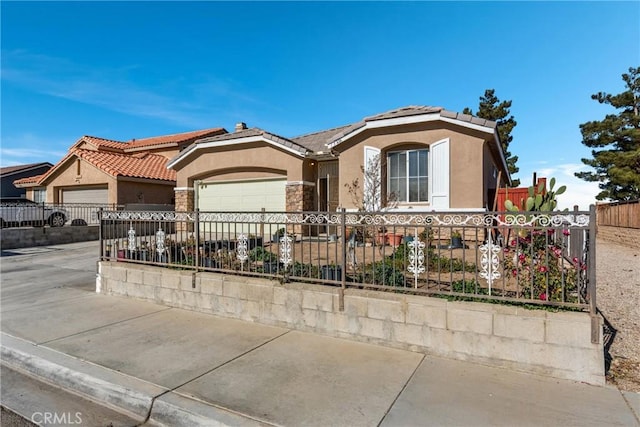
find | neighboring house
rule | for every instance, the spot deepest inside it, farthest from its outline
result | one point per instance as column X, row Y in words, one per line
column 13, row 173
column 430, row 159
column 98, row 170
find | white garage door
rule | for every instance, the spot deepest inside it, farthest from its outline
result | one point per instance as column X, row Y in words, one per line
column 243, row 196
column 85, row 195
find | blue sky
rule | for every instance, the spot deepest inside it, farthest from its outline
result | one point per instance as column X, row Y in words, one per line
column 123, row 70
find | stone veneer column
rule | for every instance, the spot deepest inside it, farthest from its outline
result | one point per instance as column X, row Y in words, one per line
column 300, row 198
column 184, row 203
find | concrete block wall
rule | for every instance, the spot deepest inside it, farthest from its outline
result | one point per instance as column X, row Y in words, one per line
column 26, row 237
column 556, row 344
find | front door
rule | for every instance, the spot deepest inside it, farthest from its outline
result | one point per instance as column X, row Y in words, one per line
column 328, row 190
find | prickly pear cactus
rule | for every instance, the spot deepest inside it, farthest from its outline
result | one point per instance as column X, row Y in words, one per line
column 539, row 200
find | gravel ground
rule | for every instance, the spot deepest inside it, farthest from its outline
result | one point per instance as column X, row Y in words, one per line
column 618, row 299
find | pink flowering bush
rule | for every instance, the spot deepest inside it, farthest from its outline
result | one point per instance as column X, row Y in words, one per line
column 535, row 261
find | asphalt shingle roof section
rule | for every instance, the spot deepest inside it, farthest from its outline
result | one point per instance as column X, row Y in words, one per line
column 10, row 169
column 317, row 141
column 257, row 132
column 412, row 110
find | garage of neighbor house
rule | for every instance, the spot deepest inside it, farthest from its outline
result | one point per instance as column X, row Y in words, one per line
column 94, row 195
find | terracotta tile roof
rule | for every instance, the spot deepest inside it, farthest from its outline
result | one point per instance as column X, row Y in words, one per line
column 177, row 138
column 102, row 142
column 28, row 180
column 144, row 165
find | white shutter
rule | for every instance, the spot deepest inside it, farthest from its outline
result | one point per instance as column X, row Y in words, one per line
column 372, row 198
column 439, row 174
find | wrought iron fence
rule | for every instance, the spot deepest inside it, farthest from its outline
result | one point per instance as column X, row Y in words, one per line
column 25, row 213
column 534, row 258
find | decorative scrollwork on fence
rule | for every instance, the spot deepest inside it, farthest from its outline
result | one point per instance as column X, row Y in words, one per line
column 149, row 216
column 544, row 220
column 132, row 239
column 416, row 259
column 490, row 262
column 285, row 249
column 446, row 219
column 241, row 250
column 160, row 236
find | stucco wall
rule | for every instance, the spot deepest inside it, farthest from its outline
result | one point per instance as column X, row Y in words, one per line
column 465, row 158
column 67, row 176
column 537, row 341
column 130, row 192
column 239, row 162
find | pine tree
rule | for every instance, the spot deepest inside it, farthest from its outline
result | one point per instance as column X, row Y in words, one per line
column 491, row 108
column 617, row 136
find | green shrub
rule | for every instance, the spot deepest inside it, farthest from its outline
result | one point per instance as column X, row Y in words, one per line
column 382, row 273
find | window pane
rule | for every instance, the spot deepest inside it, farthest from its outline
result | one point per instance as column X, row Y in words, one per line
column 402, row 164
column 393, row 165
column 413, row 189
column 401, row 195
column 424, row 189
column 393, row 187
column 423, row 162
column 413, row 163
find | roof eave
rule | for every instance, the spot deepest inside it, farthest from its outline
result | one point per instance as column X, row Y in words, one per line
column 416, row 118
column 496, row 140
column 25, row 184
column 204, row 144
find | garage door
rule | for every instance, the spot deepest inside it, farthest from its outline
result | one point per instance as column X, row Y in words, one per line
column 85, row 195
column 243, row 196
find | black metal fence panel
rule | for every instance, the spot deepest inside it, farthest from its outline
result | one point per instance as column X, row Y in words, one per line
column 529, row 257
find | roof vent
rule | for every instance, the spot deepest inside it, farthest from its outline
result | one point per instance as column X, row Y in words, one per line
column 240, row 126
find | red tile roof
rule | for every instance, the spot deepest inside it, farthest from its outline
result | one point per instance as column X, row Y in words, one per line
column 131, row 158
column 175, row 138
column 103, row 143
column 28, row 180
column 145, row 165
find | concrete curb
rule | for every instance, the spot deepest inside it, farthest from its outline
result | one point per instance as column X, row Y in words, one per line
column 175, row 410
column 119, row 391
column 633, row 400
column 132, row 396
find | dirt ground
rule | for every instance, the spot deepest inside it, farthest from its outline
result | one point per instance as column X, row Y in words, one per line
column 618, row 299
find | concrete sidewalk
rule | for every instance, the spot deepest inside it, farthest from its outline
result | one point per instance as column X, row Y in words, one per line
column 160, row 365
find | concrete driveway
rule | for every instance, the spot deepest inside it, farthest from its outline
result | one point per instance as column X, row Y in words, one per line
column 174, row 367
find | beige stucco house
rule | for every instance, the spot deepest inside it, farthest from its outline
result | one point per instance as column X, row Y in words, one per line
column 97, row 170
column 426, row 158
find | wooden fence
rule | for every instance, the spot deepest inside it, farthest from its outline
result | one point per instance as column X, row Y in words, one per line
column 619, row 214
